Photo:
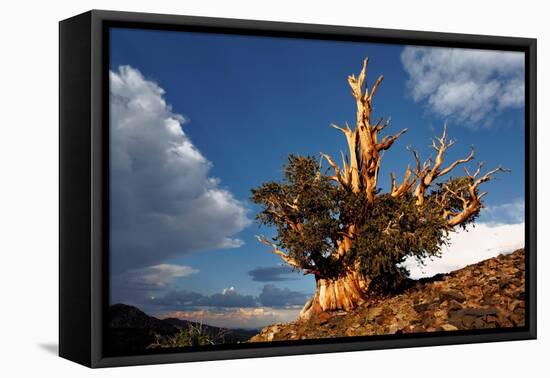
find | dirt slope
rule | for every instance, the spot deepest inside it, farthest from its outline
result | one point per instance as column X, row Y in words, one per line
column 488, row 294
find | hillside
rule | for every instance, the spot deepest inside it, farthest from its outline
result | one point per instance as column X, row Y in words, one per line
column 489, row 294
column 131, row 331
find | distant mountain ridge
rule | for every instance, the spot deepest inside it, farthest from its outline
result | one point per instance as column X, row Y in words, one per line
column 231, row 335
column 122, row 316
column 131, row 331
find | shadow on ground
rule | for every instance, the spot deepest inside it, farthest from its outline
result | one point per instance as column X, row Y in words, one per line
column 51, row 348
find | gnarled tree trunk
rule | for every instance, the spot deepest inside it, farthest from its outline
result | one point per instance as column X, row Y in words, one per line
column 342, row 293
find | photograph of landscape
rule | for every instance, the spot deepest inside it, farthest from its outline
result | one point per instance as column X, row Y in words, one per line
column 269, row 189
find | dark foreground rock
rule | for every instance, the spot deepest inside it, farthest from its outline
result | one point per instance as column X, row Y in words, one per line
column 489, row 294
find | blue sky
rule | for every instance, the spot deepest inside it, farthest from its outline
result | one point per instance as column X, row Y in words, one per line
column 244, row 103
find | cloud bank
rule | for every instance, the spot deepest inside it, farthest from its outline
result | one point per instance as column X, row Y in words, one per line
column 247, row 318
column 465, row 84
column 470, row 246
column 270, row 296
column 506, row 213
column 164, row 204
column 274, row 296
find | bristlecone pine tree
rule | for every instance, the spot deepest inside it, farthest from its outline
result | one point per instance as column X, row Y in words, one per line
column 339, row 226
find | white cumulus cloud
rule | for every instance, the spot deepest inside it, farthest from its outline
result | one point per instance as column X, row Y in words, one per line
column 164, row 204
column 158, row 276
column 465, row 84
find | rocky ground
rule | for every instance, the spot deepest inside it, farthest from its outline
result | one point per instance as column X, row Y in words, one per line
column 489, row 294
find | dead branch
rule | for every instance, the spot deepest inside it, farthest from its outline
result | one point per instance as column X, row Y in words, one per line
column 472, row 203
column 408, row 183
column 428, row 173
column 289, row 260
column 361, row 173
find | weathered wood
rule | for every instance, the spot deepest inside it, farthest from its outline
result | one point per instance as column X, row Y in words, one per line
column 342, row 293
column 361, row 174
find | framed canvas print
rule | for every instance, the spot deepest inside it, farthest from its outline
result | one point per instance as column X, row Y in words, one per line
column 233, row 188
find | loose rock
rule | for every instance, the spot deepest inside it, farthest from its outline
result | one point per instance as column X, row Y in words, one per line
column 489, row 294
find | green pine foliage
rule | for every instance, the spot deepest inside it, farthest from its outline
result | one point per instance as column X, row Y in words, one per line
column 388, row 231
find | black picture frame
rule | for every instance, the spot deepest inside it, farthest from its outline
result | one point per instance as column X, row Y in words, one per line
column 84, row 183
